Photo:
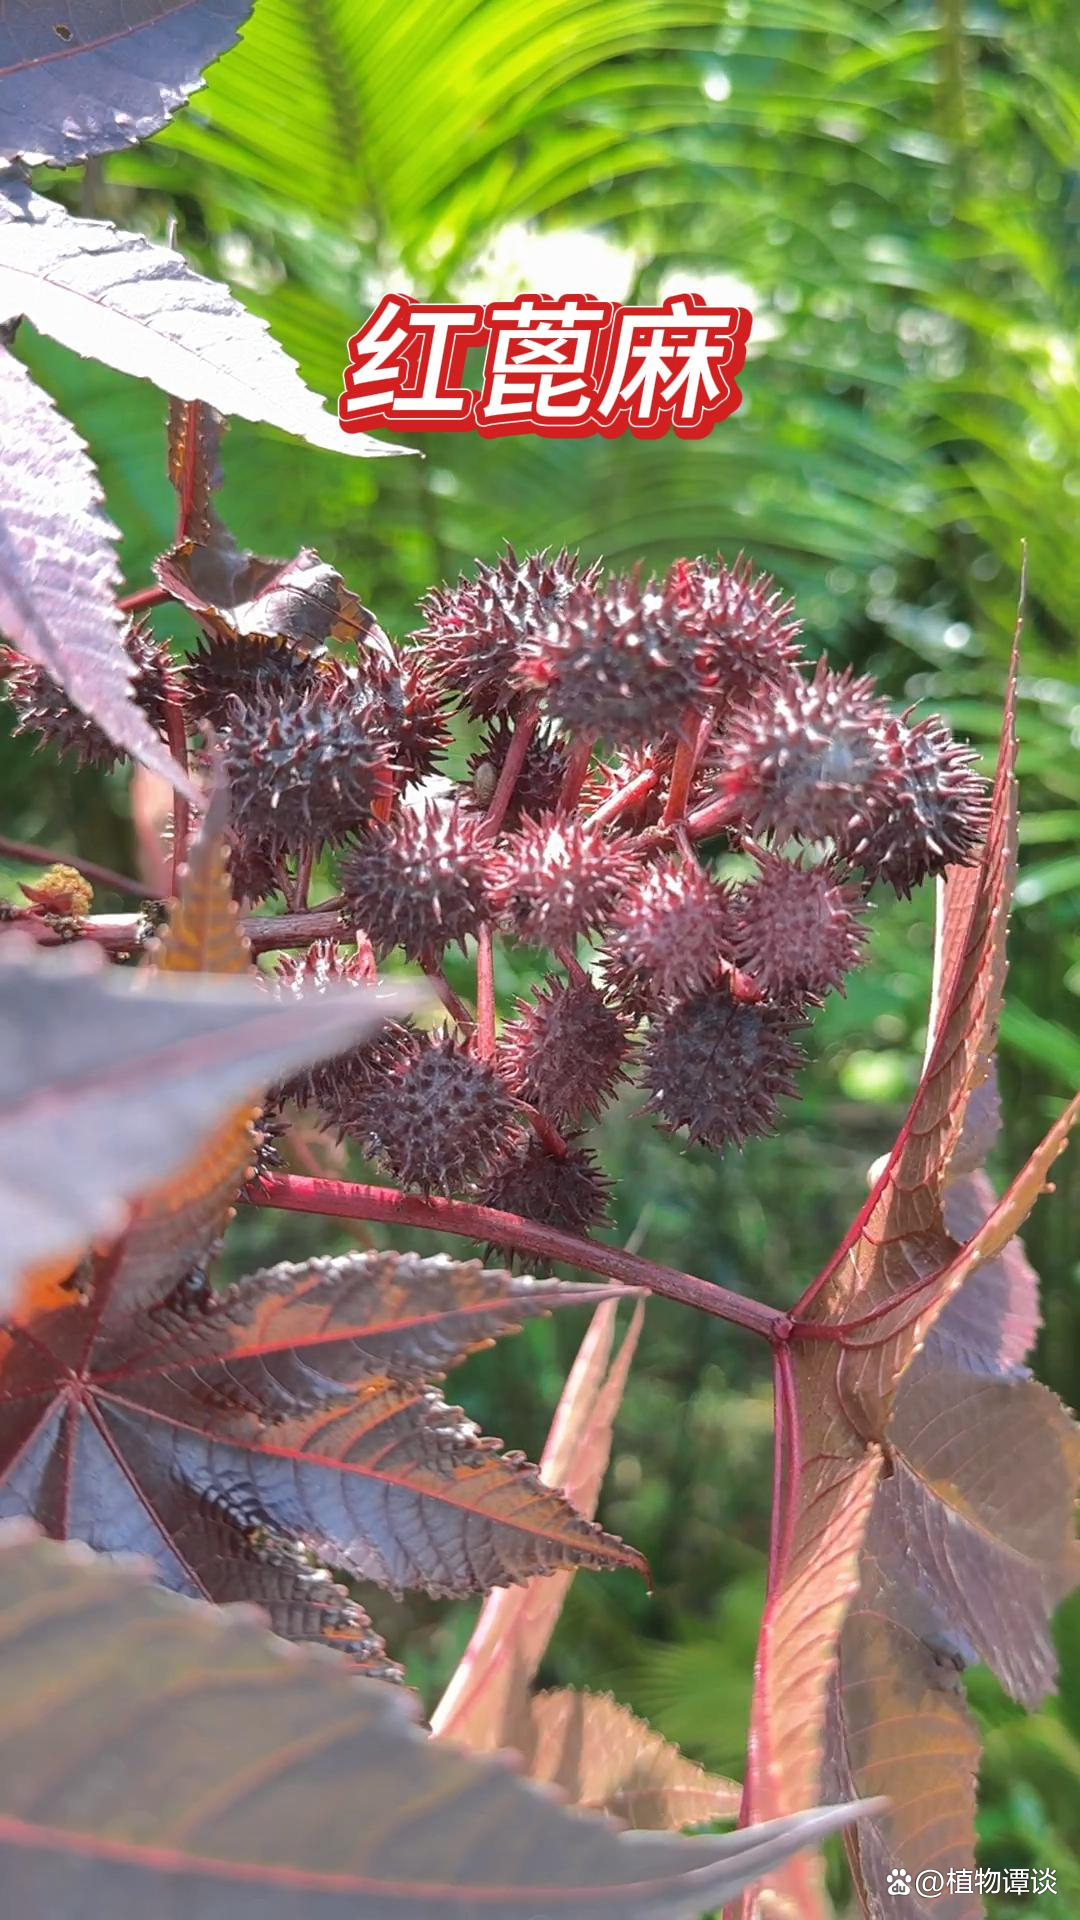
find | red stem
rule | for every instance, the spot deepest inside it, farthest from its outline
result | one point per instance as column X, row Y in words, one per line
column 344, row 1200
column 785, row 1378
column 714, row 817
column 524, row 728
column 576, row 768
column 147, row 597
column 787, row 1467
column 776, row 1514
column 176, row 734
column 683, row 769
column 574, row 969
column 44, row 857
column 548, row 1135
column 185, row 486
column 119, row 932
column 485, row 993
column 625, row 797
column 298, row 896
column 455, row 1007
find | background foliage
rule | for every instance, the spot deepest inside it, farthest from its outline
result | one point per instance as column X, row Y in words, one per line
column 893, row 189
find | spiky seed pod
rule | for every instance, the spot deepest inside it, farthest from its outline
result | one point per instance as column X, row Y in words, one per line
column 442, row 1119
column 303, row 770
column 256, row 866
column 539, row 783
column 249, row 668
column 803, row 757
column 669, row 933
column 564, row 1051
column 415, row 724
column 618, row 661
column 474, row 632
column 718, row 1067
column 939, row 808
column 420, row 883
column 745, row 628
column 157, row 677
column 556, row 1190
column 557, row 878
column 797, row 930
column 43, row 707
column 340, row 1088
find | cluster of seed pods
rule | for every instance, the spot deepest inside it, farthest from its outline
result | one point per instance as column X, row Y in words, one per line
column 628, row 736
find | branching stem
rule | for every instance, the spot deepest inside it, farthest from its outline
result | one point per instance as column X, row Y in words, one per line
column 176, row 734
column 45, row 857
column 520, row 741
column 454, row 1005
column 146, row 597
column 576, row 768
column 687, row 755
column 121, row 932
column 345, row 1200
column 626, row 797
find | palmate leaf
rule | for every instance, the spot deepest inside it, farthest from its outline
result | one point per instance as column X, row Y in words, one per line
column 116, row 297
column 239, row 1439
column 108, row 1084
column 926, row 1474
column 84, row 77
column 158, row 1757
column 59, row 575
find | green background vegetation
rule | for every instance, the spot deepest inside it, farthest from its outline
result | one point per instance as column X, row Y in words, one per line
column 894, row 189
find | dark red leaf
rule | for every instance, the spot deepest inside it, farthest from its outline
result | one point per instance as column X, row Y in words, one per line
column 108, row 1084
column 290, row 1415
column 59, row 575
column 116, row 297
column 923, row 1469
column 241, row 595
column 157, row 1757
column 83, row 77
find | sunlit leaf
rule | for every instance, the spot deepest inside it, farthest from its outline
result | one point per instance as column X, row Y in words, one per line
column 116, row 297
column 58, row 570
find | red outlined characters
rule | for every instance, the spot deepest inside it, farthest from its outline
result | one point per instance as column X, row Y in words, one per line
column 559, row 366
column 405, row 367
column 539, row 371
column 672, row 368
